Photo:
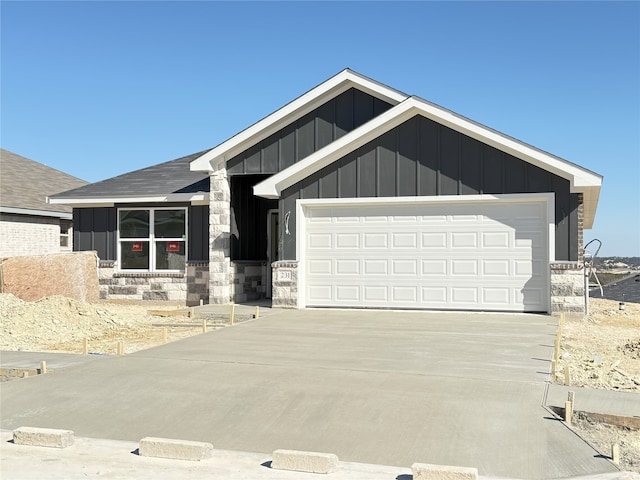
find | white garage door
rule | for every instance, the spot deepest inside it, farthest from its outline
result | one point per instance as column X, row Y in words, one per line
column 468, row 256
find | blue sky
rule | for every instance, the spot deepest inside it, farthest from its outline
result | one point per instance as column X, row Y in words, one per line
column 97, row 89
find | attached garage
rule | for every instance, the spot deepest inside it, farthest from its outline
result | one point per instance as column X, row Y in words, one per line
column 445, row 253
column 385, row 200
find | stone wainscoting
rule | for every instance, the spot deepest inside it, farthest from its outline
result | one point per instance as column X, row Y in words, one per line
column 248, row 280
column 567, row 288
column 285, row 284
column 189, row 288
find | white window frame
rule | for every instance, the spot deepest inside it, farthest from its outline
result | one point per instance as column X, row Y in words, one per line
column 152, row 240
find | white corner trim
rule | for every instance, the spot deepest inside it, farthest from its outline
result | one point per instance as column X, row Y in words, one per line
column 299, row 107
column 194, row 198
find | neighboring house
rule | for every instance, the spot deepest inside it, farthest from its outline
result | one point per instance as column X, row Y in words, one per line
column 352, row 195
column 28, row 224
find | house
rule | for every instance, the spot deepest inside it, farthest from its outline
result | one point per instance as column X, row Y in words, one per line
column 352, row 195
column 28, row 224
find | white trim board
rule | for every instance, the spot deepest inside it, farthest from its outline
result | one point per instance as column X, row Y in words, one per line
column 192, row 198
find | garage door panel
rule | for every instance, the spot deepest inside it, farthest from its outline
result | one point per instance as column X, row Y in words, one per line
column 404, row 294
column 347, row 267
column 464, row 295
column 320, row 240
column 495, row 239
column 404, row 240
column 464, row 267
column 496, row 296
column 436, row 296
column 375, row 240
column 436, row 268
column 347, row 293
column 428, row 256
column 320, row 267
column 404, row 267
column 434, row 240
column 464, row 240
column 347, row 240
column 375, row 267
column 495, row 267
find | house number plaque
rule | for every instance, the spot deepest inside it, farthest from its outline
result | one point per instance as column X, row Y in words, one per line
column 284, row 276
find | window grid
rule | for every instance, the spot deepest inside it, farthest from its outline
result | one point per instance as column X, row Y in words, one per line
column 152, row 242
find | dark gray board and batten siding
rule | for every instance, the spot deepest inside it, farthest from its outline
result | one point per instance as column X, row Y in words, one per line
column 423, row 158
column 315, row 130
column 96, row 229
column 296, row 141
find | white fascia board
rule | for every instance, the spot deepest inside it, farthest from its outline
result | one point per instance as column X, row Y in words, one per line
column 36, row 213
column 343, row 81
column 195, row 199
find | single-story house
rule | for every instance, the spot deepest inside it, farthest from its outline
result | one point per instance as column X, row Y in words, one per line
column 28, row 224
column 352, row 195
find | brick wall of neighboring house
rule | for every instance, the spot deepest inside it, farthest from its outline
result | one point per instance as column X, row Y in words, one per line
column 26, row 235
column 187, row 288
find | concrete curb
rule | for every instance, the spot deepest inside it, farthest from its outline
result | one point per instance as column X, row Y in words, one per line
column 309, row 462
column 43, row 437
column 174, row 449
column 426, row 471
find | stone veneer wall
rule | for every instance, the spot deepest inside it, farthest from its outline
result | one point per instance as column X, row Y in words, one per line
column 285, row 284
column 567, row 288
column 248, row 280
column 219, row 239
column 189, row 288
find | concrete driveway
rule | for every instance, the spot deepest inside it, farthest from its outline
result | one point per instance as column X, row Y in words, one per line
column 388, row 388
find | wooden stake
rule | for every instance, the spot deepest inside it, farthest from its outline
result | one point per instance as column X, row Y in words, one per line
column 165, row 334
column 43, row 367
column 257, row 312
column 120, row 348
column 85, row 346
column 556, row 348
column 571, row 397
column 568, row 411
column 615, row 453
column 567, row 378
column 232, row 314
column 204, row 325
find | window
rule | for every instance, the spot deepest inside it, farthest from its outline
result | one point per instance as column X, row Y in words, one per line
column 65, row 235
column 152, row 239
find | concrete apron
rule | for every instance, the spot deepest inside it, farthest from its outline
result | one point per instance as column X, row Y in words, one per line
column 375, row 387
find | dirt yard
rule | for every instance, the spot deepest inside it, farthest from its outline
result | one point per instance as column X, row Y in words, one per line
column 62, row 324
column 601, row 350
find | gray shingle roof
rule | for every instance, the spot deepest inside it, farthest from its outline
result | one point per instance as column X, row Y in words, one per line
column 25, row 184
column 165, row 178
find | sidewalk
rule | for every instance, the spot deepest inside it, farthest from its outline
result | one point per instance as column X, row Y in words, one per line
column 611, row 402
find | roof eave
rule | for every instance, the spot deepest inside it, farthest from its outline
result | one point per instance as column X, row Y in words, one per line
column 200, row 198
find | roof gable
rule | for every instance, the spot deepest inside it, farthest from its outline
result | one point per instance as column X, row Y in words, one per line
column 26, row 184
column 581, row 180
column 340, row 83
